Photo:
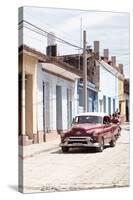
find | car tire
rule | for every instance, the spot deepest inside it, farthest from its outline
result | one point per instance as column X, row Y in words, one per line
column 112, row 143
column 65, row 149
column 101, row 147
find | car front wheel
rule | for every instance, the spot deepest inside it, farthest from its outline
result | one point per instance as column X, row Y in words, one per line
column 101, row 147
column 65, row 149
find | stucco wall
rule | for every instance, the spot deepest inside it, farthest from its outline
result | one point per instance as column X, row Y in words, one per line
column 108, row 88
column 53, row 81
column 120, row 89
column 121, row 95
column 30, row 65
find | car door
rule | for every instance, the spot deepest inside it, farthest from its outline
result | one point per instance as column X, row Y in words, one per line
column 107, row 129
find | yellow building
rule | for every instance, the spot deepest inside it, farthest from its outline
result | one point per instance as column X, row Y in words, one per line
column 27, row 97
column 31, row 116
column 121, row 98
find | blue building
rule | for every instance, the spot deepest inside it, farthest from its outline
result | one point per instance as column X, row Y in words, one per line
column 92, row 97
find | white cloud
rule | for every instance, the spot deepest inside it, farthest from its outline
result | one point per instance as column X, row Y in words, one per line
column 89, row 19
column 110, row 28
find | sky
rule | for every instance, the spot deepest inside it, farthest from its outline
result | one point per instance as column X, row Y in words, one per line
column 110, row 28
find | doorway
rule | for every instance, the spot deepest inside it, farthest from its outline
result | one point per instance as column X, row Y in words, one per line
column 58, row 107
column 29, row 105
column 46, row 107
column 69, row 107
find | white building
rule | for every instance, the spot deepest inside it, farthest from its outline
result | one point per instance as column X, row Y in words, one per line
column 47, row 95
column 108, row 94
column 56, row 94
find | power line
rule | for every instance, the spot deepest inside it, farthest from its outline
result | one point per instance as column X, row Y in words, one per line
column 51, row 26
column 43, row 32
column 40, row 40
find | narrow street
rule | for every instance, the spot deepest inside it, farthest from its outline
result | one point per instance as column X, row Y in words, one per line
column 79, row 169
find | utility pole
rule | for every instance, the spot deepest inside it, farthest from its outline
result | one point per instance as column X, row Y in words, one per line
column 80, row 41
column 84, row 73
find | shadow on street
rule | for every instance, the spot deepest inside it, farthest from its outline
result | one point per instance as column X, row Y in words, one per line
column 78, row 150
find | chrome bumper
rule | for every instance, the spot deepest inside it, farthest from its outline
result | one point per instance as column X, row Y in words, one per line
column 76, row 142
column 79, row 145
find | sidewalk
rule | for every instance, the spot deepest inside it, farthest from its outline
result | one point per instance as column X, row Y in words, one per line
column 34, row 149
column 125, row 126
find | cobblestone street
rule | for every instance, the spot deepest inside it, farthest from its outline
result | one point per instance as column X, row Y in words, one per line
column 52, row 170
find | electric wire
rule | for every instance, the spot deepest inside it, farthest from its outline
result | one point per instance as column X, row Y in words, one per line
column 45, row 33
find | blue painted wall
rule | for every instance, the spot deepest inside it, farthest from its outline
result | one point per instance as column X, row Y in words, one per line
column 92, row 99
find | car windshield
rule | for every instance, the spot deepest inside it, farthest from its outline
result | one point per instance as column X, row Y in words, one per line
column 88, row 119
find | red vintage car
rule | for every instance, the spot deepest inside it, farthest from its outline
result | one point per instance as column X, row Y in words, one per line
column 90, row 130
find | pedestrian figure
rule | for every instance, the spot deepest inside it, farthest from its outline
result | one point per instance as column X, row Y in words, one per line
column 114, row 118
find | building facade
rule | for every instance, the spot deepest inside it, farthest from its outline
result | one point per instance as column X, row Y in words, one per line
column 92, row 97
column 27, row 97
column 56, row 90
column 108, row 88
column 111, row 94
column 92, row 77
column 121, row 98
column 47, row 95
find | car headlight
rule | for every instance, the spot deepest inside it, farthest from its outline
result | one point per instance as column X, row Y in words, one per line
column 93, row 136
column 62, row 134
column 66, row 139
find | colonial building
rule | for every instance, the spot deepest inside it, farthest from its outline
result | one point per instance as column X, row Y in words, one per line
column 27, row 95
column 47, row 95
column 56, row 93
column 92, row 97
column 108, row 94
column 111, row 95
column 121, row 96
column 92, row 75
column 51, row 90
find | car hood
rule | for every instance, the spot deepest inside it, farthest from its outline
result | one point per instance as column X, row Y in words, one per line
column 86, row 126
column 82, row 129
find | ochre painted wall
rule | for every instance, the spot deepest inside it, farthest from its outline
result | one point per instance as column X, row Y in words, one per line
column 30, row 65
column 121, row 98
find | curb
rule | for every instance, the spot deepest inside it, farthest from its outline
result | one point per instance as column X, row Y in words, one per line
column 37, row 152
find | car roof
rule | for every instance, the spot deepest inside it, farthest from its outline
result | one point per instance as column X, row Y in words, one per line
column 100, row 114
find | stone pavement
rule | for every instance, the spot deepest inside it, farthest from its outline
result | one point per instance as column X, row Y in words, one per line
column 51, row 170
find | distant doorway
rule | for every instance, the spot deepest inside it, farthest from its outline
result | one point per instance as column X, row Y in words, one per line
column 127, row 111
column 58, row 107
column 46, row 107
column 29, row 105
column 69, row 107
column 109, row 105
